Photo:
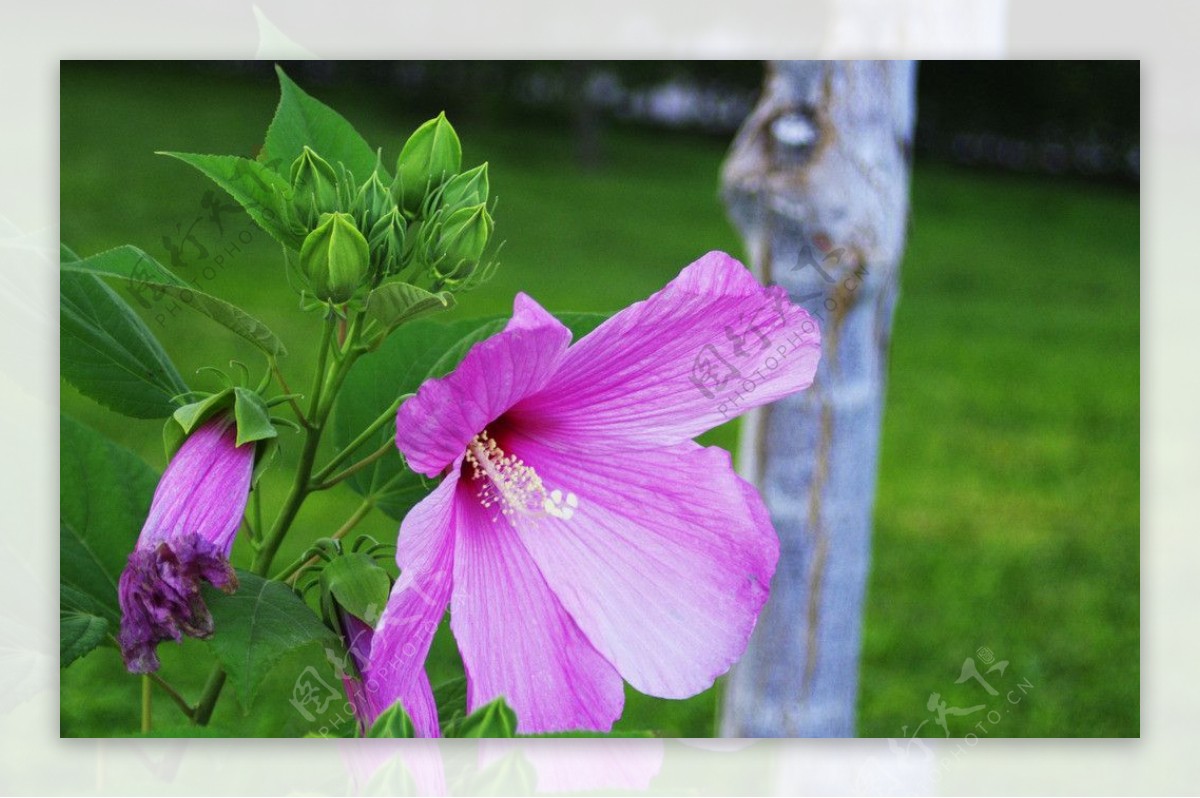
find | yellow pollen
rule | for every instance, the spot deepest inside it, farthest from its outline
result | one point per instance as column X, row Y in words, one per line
column 506, row 481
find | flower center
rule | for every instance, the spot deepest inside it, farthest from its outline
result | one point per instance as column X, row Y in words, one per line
column 505, row 480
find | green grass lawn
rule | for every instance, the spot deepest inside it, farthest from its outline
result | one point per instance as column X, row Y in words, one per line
column 1007, row 514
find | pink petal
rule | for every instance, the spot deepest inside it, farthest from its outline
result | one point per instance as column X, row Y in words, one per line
column 709, row 346
column 366, row 695
column 367, row 699
column 425, row 554
column 516, row 640
column 203, row 490
column 435, row 426
column 664, row 562
column 421, row 708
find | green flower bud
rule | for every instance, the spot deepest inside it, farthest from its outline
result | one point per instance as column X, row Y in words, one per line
column 373, row 202
column 353, row 592
column 386, row 240
column 469, row 188
column 461, row 241
column 431, row 156
column 335, row 258
column 314, row 187
column 423, row 240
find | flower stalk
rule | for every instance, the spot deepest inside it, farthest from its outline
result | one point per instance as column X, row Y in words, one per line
column 327, row 381
column 386, row 417
column 319, row 484
column 181, row 702
column 146, row 713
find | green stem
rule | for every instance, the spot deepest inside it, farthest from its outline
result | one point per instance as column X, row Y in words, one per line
column 326, row 384
column 256, row 497
column 382, row 451
column 314, row 426
column 208, row 699
column 334, row 384
column 293, row 571
column 308, row 455
column 351, row 339
column 251, row 533
column 384, row 418
column 367, row 505
column 291, row 505
column 368, row 502
column 146, row 685
column 288, row 392
column 173, row 694
column 314, row 401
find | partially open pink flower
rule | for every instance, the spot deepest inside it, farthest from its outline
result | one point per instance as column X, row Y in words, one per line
column 579, row 535
column 186, row 540
column 365, row 693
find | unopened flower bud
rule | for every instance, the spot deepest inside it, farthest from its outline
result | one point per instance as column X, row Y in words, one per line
column 386, row 241
column 373, row 202
column 314, row 187
column 463, row 236
column 431, row 156
column 466, row 190
column 335, row 258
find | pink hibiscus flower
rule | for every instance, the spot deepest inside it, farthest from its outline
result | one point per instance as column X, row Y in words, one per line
column 578, row 535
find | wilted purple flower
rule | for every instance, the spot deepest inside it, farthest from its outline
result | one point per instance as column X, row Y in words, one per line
column 579, row 536
column 186, row 540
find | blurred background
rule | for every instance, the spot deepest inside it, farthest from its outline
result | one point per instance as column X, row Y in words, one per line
column 1008, row 510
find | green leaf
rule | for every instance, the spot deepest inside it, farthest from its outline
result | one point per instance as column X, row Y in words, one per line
column 256, row 626
column 73, row 600
column 104, row 494
column 580, row 324
column 393, row 722
column 185, row 419
column 79, row 633
column 252, row 417
column 301, row 120
column 393, row 304
column 193, row 414
column 264, row 193
column 451, row 699
column 264, row 458
column 358, row 584
column 141, row 273
column 352, row 583
column 109, row 354
column 491, row 720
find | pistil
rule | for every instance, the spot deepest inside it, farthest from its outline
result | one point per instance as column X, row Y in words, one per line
column 507, row 481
